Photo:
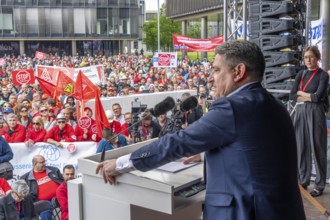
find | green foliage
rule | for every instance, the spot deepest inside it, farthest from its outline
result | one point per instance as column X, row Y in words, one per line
column 197, row 55
column 194, row 30
column 167, row 28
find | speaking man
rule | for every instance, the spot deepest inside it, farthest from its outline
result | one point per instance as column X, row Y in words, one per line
column 248, row 139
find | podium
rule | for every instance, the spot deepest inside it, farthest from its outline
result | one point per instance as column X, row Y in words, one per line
column 136, row 196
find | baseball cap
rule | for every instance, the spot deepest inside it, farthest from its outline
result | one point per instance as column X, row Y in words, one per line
column 8, row 110
column 88, row 108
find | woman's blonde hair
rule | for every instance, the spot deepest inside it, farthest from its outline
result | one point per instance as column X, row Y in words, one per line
column 38, row 119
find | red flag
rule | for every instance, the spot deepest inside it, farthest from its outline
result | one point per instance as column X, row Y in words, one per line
column 40, row 55
column 47, row 87
column 100, row 117
column 2, row 61
column 85, row 89
column 23, row 77
column 64, row 84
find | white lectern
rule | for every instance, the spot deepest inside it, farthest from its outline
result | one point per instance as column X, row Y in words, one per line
column 137, row 195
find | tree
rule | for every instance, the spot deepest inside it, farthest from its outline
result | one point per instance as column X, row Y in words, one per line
column 194, row 30
column 167, row 28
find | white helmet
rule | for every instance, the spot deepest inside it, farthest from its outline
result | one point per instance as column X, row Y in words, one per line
column 60, row 116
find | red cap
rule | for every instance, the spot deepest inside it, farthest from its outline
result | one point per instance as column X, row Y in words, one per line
column 88, row 108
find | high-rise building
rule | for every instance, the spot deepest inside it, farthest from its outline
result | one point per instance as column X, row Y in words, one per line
column 69, row 26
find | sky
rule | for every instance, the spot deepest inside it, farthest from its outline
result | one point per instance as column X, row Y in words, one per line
column 152, row 4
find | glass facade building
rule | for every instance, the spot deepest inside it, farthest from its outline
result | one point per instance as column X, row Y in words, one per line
column 82, row 26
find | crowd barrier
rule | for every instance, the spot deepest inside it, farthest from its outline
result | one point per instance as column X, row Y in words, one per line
column 56, row 157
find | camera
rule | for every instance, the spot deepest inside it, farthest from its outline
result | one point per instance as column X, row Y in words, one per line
column 176, row 120
column 204, row 96
column 137, row 108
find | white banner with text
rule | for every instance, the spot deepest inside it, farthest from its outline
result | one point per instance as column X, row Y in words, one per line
column 56, row 157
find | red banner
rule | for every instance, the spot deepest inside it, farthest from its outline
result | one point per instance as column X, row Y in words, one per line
column 40, row 55
column 194, row 44
column 23, row 77
column 50, row 73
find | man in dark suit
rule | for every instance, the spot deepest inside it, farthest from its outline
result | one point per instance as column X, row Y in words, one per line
column 249, row 144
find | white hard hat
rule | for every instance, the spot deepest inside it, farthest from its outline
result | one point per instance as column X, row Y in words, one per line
column 60, row 116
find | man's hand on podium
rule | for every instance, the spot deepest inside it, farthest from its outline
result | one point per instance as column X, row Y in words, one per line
column 193, row 159
column 108, row 170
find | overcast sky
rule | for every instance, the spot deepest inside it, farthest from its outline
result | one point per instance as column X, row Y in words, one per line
column 152, row 4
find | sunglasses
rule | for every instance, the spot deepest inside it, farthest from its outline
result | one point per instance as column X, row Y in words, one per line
column 61, row 122
column 24, row 110
column 44, row 110
column 36, row 123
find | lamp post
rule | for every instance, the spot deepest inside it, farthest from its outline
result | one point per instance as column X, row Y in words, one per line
column 158, row 26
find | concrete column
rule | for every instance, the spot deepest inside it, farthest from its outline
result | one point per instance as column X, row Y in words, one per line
column 204, row 33
column 184, row 31
column 74, row 47
column 120, row 49
column 218, row 25
column 325, row 8
column 21, row 47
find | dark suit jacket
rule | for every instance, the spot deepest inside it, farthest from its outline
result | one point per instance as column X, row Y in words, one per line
column 251, row 158
column 9, row 211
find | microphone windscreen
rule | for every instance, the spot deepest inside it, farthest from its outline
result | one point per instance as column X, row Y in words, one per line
column 163, row 107
column 189, row 103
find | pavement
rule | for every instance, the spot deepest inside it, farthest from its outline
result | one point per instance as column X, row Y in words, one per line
column 311, row 208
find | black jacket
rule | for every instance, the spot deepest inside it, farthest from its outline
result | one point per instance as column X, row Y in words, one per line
column 9, row 211
column 52, row 172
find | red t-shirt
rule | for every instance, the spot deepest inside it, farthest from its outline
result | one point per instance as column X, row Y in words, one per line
column 4, row 187
column 46, row 187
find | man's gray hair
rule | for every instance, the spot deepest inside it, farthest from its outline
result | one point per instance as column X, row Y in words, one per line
column 245, row 52
column 36, row 105
column 20, row 187
column 12, row 115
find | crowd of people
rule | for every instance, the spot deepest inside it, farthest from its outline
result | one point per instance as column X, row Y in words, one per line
column 29, row 115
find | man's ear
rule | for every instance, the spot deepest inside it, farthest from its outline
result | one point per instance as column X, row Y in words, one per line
column 240, row 72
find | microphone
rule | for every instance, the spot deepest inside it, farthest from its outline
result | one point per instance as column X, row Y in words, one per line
column 189, row 103
column 163, row 107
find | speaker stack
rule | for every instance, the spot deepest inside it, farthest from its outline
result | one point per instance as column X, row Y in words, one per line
column 273, row 25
